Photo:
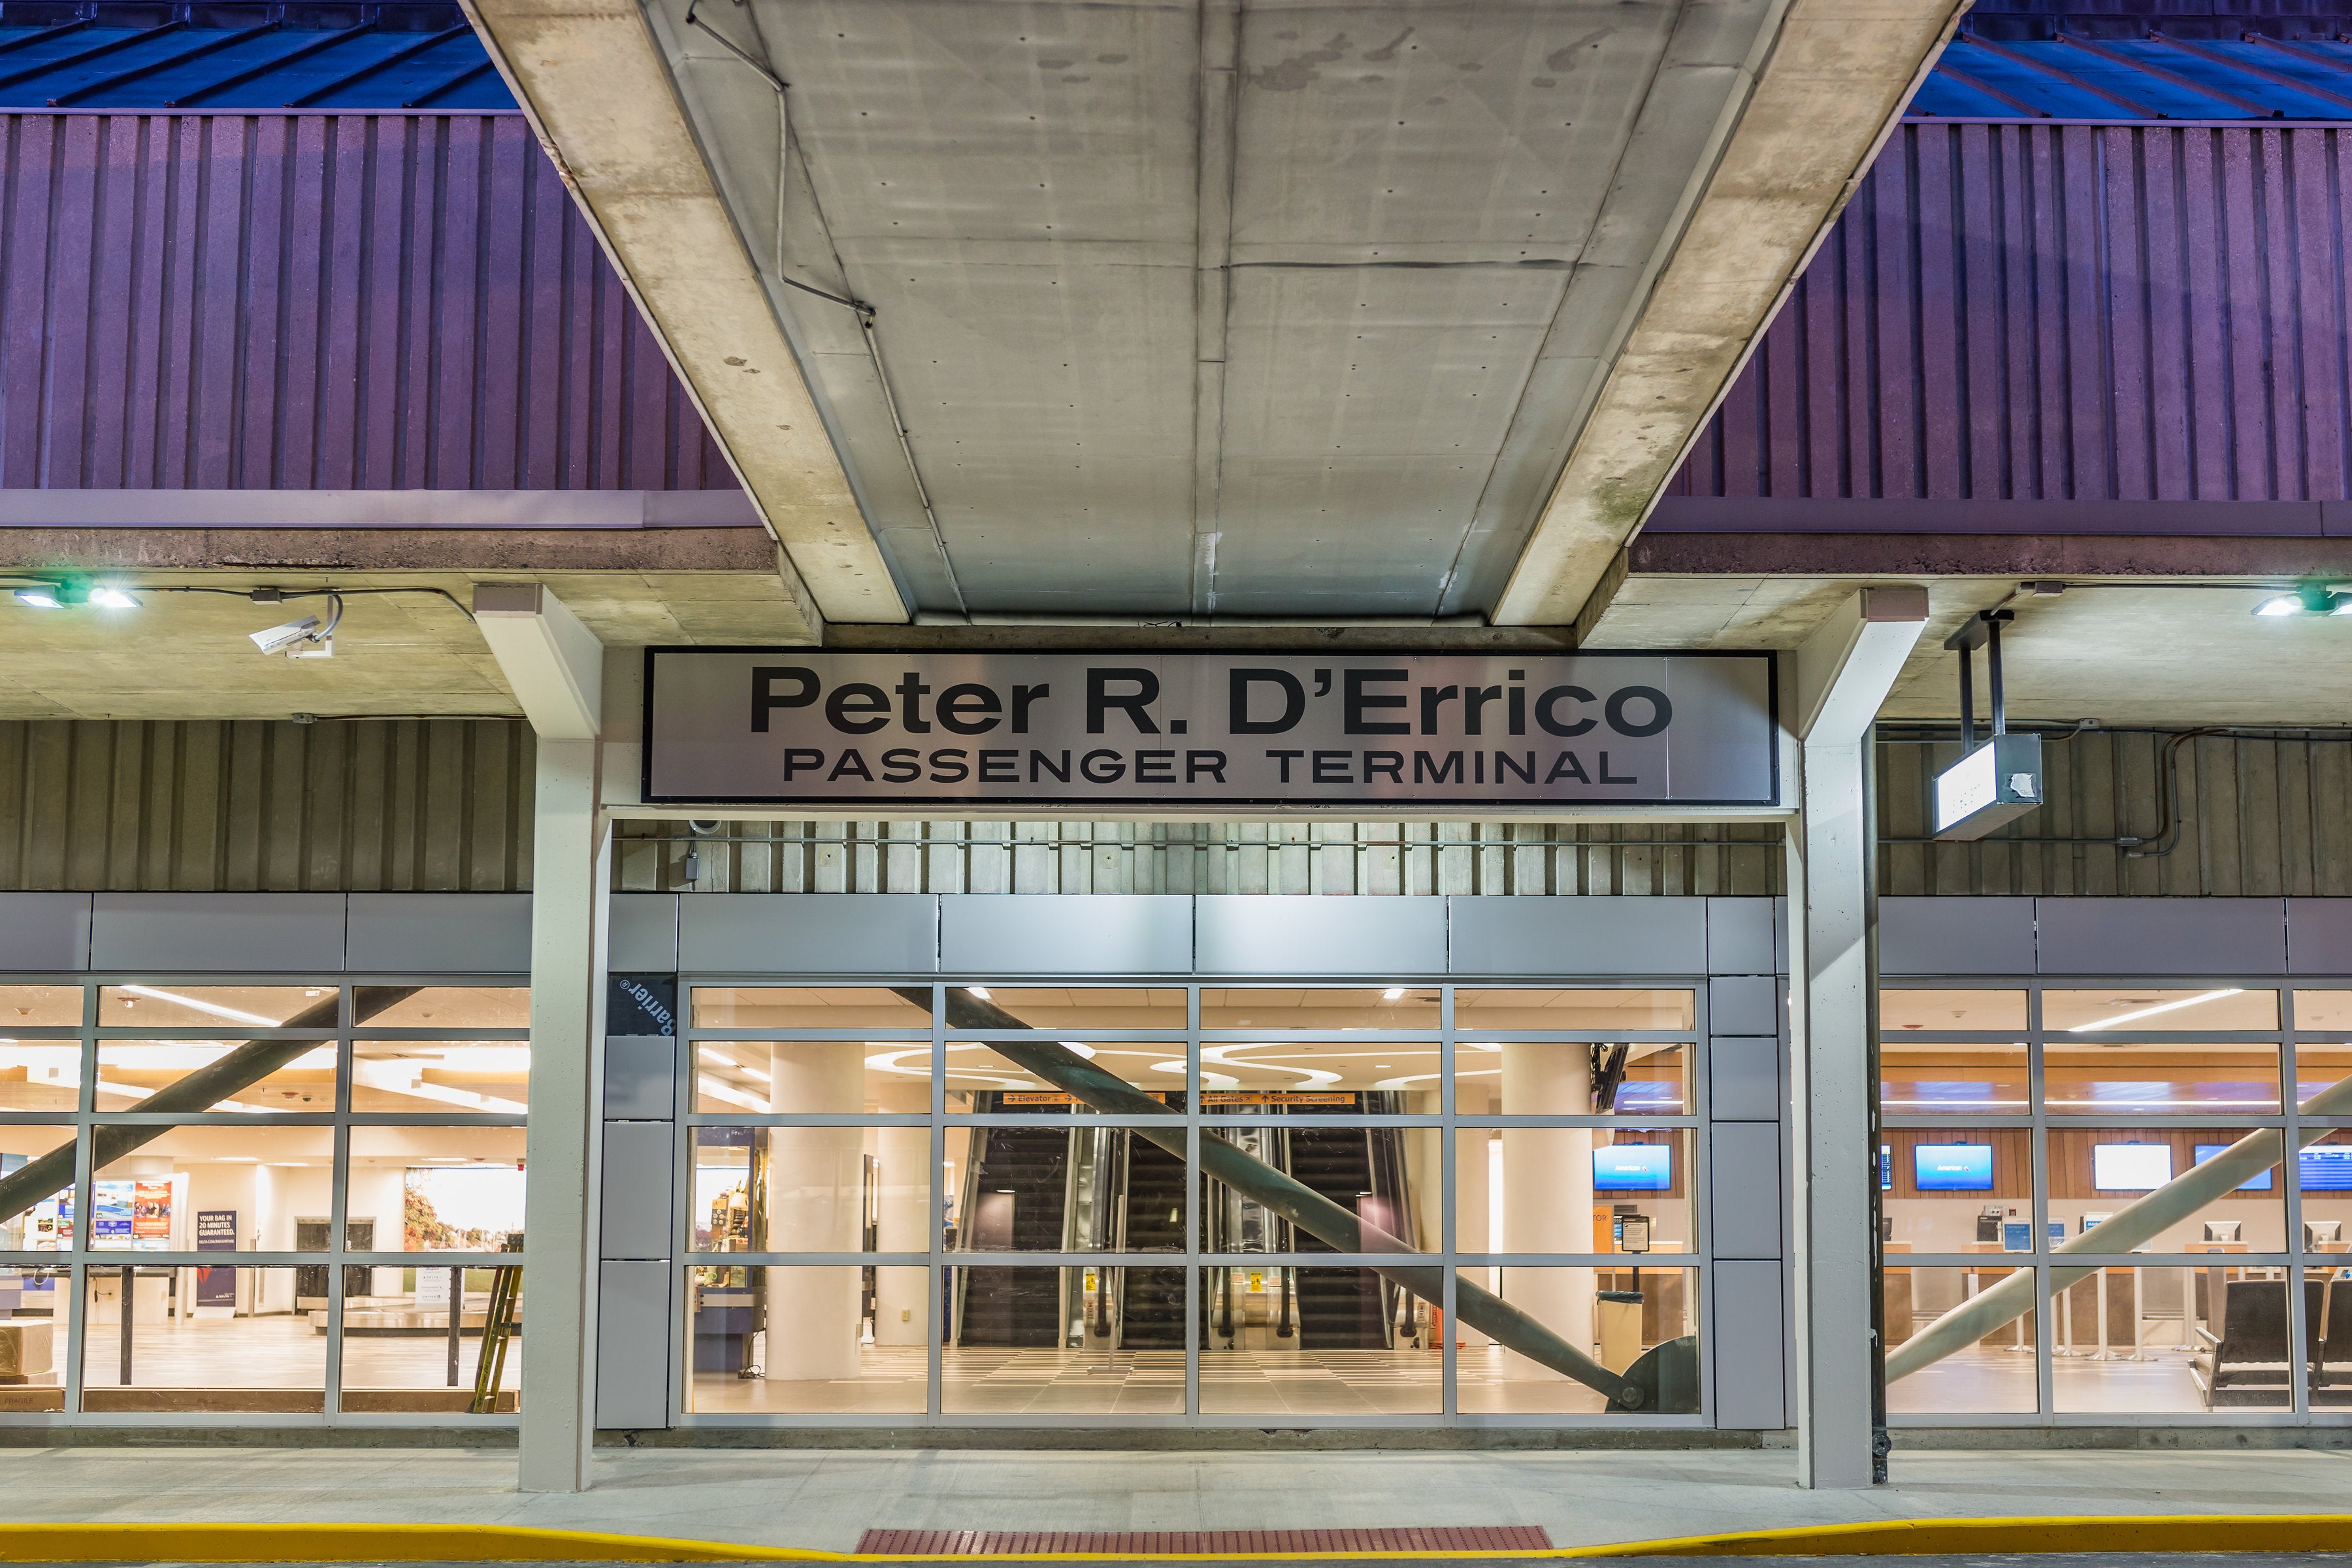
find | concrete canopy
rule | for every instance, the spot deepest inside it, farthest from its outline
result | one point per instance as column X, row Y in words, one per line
column 1135, row 309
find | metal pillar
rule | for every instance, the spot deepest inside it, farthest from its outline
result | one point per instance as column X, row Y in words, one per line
column 1843, row 673
column 570, row 877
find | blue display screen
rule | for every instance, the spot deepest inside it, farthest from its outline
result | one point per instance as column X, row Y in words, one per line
column 2260, row 1183
column 1633, row 1168
column 1885, row 1167
column 1952, row 1167
column 2326, row 1168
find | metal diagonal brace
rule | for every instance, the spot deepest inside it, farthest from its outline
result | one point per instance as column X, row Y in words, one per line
column 1664, row 1382
column 246, row 1066
column 2138, row 1222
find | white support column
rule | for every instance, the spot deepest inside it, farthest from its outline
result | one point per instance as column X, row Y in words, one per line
column 554, row 666
column 1843, row 673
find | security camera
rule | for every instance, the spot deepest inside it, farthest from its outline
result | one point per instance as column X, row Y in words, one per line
column 286, row 639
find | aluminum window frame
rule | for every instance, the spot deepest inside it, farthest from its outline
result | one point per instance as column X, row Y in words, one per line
column 2294, row 1264
column 82, row 1258
column 1697, row 1264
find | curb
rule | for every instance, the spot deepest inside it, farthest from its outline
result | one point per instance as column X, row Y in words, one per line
column 51, row 1542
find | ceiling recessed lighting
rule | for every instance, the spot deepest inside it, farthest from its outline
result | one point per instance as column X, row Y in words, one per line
column 978, row 990
column 1393, row 994
column 2310, row 599
column 39, row 598
column 107, row 597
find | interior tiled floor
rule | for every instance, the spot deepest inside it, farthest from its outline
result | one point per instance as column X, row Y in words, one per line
column 278, row 1351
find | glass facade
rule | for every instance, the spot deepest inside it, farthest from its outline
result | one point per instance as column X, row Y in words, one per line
column 2090, row 1205
column 216, row 1200
column 1412, row 1203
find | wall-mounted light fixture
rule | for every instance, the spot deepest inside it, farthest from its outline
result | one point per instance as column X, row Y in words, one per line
column 2000, row 781
column 73, row 595
column 2310, row 599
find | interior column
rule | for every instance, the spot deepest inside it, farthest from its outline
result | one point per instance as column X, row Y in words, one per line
column 902, row 1296
column 1546, row 1208
column 814, row 1195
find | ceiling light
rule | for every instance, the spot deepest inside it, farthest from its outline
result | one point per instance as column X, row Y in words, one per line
column 978, row 990
column 1393, row 994
column 2151, row 1012
column 107, row 597
column 2310, row 599
column 40, row 598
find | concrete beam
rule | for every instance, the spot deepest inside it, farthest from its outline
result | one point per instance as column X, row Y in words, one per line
column 555, row 665
column 592, row 80
column 1847, row 666
column 1824, row 89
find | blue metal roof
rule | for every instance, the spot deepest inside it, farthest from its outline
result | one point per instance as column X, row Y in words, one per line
column 264, row 57
column 2152, row 77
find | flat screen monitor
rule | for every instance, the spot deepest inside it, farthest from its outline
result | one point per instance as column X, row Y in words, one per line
column 2316, row 1231
column 1633, row 1168
column 1952, row 1167
column 1886, row 1167
column 2326, row 1168
column 2225, row 1230
column 2260, row 1183
column 2130, row 1167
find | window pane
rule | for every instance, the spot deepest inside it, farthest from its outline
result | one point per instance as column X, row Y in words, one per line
column 492, row 1076
column 216, row 1006
column 2322, row 1009
column 813, row 1078
column 262, row 1353
column 442, row 1006
column 40, row 1007
column 255, row 1076
column 1902, row 1009
column 40, row 1075
column 435, row 1189
column 150, row 1184
column 1395, row 1078
column 1615, row 1316
column 2095, row 1172
column 1385, row 1176
column 2118, row 1079
column 1957, row 1189
column 1540, row 1077
column 1296, row 1008
column 2122, row 1347
column 2324, row 1168
column 809, row 1008
column 986, row 1079
column 811, row 1189
column 819, row 1341
column 2149, row 1010
column 1030, row 1341
column 1572, row 1189
column 1316, row 1341
column 37, row 1228
column 1551, row 1008
column 40, row 1312
column 1054, row 1188
column 1075, row 1007
column 1917, row 1079
column 2320, row 1066
column 1992, row 1374
column 399, row 1356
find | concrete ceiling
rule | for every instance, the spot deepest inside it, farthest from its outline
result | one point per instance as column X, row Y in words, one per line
column 2121, row 650
column 187, row 655
column 1307, row 308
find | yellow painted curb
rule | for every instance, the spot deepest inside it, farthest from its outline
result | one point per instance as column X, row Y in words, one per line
column 516, row 1543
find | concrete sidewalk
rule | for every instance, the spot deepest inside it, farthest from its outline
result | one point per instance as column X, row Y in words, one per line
column 825, row 1499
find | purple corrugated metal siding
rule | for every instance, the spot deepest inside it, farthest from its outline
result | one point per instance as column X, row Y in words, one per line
column 358, row 301
column 2071, row 314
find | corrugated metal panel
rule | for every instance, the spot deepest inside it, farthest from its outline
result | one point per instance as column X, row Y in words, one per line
column 1290, row 858
column 2259, row 818
column 2150, row 76
column 377, row 805
column 2014, row 313
column 351, row 302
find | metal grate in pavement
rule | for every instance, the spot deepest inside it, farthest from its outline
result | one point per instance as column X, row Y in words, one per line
column 1220, row 1543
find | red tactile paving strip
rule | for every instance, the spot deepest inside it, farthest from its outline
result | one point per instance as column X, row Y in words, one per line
column 1214, row 1543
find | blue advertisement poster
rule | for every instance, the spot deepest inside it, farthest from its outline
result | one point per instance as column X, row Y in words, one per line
column 216, row 1232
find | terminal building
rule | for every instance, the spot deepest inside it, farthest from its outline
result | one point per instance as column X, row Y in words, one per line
column 831, row 726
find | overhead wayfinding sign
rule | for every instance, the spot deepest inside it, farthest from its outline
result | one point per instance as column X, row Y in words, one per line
column 793, row 727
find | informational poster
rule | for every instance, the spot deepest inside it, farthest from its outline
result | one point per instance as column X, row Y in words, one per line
column 150, row 1212
column 112, row 1225
column 216, row 1232
column 1531, row 730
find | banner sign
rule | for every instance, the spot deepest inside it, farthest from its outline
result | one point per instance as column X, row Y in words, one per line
column 783, row 727
column 216, row 1232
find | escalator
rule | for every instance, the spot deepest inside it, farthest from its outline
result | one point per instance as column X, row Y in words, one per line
column 1016, row 1193
column 1151, row 1300
column 1339, row 1308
